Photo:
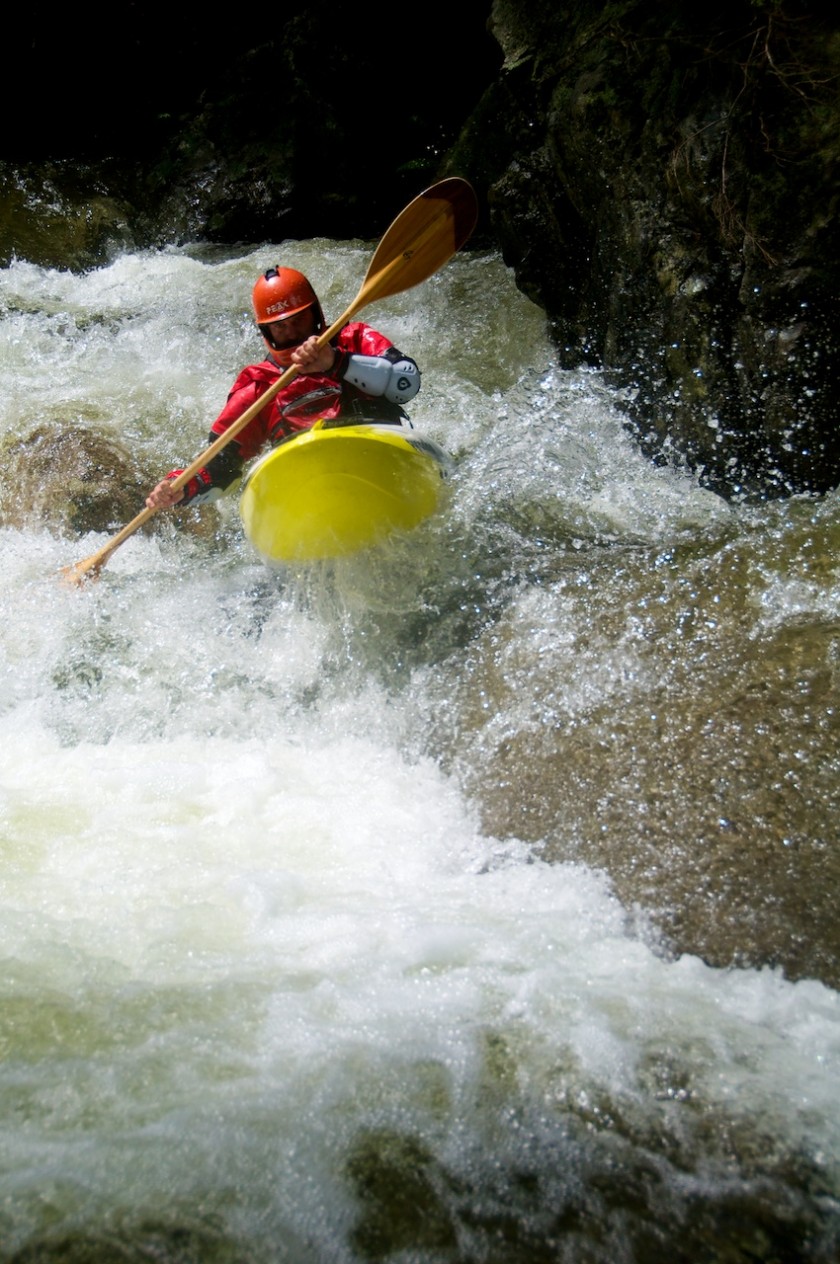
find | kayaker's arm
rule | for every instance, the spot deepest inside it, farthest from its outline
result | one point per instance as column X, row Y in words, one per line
column 392, row 375
column 205, row 486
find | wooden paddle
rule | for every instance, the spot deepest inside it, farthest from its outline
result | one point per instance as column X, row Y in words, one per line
column 420, row 240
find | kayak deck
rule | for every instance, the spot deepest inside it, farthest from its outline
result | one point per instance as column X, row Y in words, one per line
column 336, row 489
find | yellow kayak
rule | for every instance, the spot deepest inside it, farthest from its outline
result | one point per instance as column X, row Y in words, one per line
column 336, row 489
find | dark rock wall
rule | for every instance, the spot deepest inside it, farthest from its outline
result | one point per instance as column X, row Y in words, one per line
column 669, row 195
column 313, row 119
column 661, row 176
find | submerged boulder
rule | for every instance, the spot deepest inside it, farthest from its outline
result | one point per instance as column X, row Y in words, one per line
column 70, row 479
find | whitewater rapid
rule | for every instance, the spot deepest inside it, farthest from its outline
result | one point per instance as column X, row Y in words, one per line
column 269, row 980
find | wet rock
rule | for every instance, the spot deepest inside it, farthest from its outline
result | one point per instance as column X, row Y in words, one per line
column 62, row 214
column 70, row 479
column 402, row 1190
column 664, row 183
column 669, row 738
column 134, row 1243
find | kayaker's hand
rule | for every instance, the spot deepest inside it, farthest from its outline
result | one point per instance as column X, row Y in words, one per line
column 163, row 497
column 310, row 358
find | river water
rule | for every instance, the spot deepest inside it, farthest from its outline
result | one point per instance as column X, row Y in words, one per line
column 471, row 900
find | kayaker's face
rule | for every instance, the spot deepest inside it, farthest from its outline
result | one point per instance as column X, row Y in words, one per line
column 293, row 330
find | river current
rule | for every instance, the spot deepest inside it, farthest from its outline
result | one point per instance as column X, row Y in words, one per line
column 469, row 900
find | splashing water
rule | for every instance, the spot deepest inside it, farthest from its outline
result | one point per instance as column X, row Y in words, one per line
column 397, row 909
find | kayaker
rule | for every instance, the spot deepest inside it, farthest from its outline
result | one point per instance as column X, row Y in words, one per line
column 359, row 373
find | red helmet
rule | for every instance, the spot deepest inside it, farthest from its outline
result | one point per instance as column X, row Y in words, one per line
column 282, row 292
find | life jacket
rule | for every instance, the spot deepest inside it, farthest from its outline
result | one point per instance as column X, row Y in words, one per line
column 308, row 397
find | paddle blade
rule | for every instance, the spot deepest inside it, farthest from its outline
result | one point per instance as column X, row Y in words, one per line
column 81, row 572
column 90, row 567
column 422, row 237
